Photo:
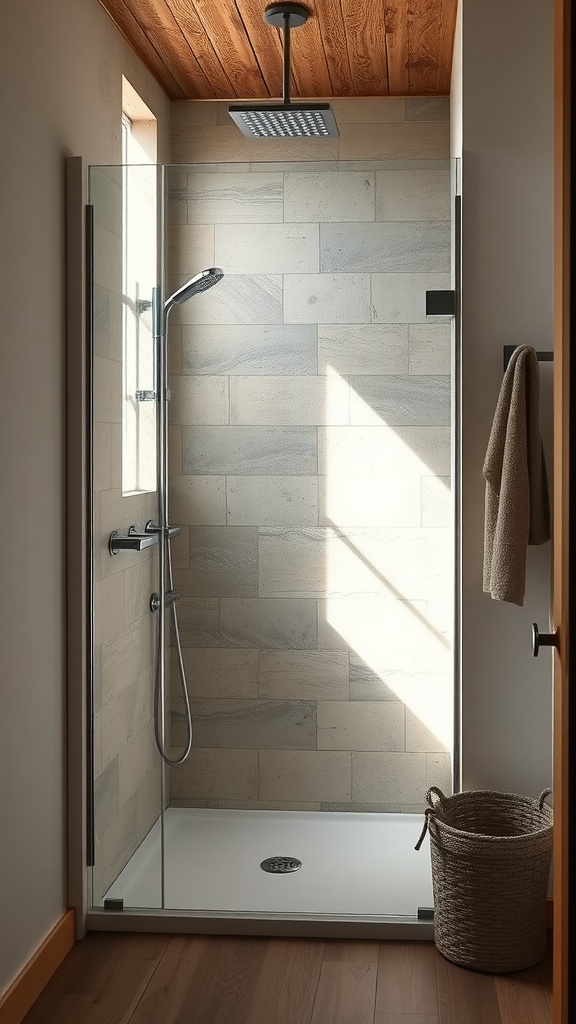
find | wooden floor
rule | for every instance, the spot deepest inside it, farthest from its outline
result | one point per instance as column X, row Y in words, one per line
column 161, row 979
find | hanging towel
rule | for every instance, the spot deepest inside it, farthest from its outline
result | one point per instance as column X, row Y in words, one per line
column 517, row 509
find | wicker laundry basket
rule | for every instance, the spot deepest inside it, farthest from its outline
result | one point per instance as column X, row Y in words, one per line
column 491, row 855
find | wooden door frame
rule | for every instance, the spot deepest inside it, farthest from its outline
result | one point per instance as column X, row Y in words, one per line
column 564, row 1001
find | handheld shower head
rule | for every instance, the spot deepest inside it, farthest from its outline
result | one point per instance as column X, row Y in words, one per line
column 204, row 280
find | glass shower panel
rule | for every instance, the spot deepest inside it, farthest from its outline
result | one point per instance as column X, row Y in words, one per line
column 128, row 785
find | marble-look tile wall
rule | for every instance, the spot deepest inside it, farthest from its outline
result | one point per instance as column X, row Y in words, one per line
column 127, row 796
column 310, row 460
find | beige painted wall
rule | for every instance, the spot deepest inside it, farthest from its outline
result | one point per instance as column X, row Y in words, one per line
column 506, row 299
column 60, row 94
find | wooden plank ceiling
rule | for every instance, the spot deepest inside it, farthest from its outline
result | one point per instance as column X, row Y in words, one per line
column 223, row 49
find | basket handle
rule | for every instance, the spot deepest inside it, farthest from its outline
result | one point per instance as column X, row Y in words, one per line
column 427, row 813
column 542, row 797
column 438, row 792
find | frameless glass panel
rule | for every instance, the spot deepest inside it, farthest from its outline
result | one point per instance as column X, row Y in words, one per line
column 127, row 773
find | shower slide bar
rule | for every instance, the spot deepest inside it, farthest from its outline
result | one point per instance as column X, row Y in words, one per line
column 136, row 540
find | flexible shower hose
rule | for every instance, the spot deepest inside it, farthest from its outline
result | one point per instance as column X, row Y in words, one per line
column 171, row 762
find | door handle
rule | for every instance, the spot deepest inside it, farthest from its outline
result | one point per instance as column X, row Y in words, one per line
column 542, row 639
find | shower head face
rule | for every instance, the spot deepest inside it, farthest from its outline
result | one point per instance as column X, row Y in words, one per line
column 285, row 120
column 204, row 280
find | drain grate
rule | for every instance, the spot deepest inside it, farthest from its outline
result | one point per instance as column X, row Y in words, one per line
column 281, row 865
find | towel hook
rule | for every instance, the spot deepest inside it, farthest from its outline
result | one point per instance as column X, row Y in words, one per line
column 543, row 639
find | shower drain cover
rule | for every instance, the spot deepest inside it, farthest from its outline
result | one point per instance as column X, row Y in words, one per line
column 281, row 865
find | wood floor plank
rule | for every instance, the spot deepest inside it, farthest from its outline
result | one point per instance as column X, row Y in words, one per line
column 465, row 997
column 171, row 981
column 112, row 1001
column 223, row 983
column 288, row 983
column 522, row 998
column 346, row 994
column 407, row 978
column 358, row 951
column 546, row 973
column 405, row 1018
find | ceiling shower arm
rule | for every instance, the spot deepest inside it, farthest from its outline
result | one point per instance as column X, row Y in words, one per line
column 286, row 75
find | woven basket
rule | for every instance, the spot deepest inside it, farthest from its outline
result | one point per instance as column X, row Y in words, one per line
column 491, row 855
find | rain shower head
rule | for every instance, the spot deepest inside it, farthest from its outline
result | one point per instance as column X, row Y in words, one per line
column 204, row 280
column 286, row 119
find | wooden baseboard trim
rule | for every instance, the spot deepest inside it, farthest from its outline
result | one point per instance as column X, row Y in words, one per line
column 549, row 916
column 26, row 988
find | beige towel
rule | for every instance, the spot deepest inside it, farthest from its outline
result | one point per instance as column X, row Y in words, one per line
column 517, row 510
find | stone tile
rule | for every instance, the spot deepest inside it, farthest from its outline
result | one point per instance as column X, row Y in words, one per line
column 223, row 563
column 386, row 632
column 107, row 391
column 119, row 717
column 235, row 198
column 197, row 400
column 401, row 141
column 208, row 143
column 272, row 500
column 329, row 196
column 183, row 112
column 105, row 188
column 149, row 804
column 250, row 451
column 102, row 472
column 175, row 350
column 236, row 299
column 219, row 673
column 199, row 622
column 413, row 195
column 326, row 298
column 388, row 777
column 303, row 675
column 375, row 808
column 107, row 323
column 136, row 761
column 174, row 451
column 369, row 501
column 180, row 549
column 123, row 658
column 140, row 581
column 362, row 349
column 418, row 400
column 437, row 507
column 428, row 108
column 289, row 400
column 270, row 624
column 268, row 248
column 315, row 775
column 419, row 737
column 369, row 110
column 250, row 350
column 190, row 248
column 366, row 682
column 290, row 150
column 296, row 166
column 108, row 607
column 430, row 347
column 401, row 298
column 114, row 849
column 197, row 802
column 439, row 772
column 250, row 724
column 394, row 165
column 107, row 259
column 198, row 500
column 177, row 196
column 217, row 774
column 270, row 805
column 348, row 725
column 106, row 803
column 421, row 247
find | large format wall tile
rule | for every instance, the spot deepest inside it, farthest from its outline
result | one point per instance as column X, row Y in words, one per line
column 249, row 349
column 289, row 400
column 196, row 400
column 305, row 675
column 326, row 298
column 369, row 110
column 366, row 682
column 213, row 672
column 223, row 563
column 428, row 108
column 280, row 624
column 236, row 299
column 272, row 500
column 417, row 195
column 347, row 725
column 388, row 777
column 430, row 348
column 399, row 141
column 190, row 248
column 370, row 501
column 362, row 349
column 223, row 774
column 328, row 196
column 198, row 500
column 397, row 247
column 396, row 400
column 235, row 198
column 401, row 298
column 248, row 724
column 208, row 143
column 268, row 248
column 305, row 775
column 250, row 451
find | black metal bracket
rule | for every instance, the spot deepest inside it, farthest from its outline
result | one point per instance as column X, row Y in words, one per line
column 441, row 303
column 542, row 357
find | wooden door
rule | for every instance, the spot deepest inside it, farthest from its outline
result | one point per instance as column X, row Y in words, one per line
column 564, row 312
